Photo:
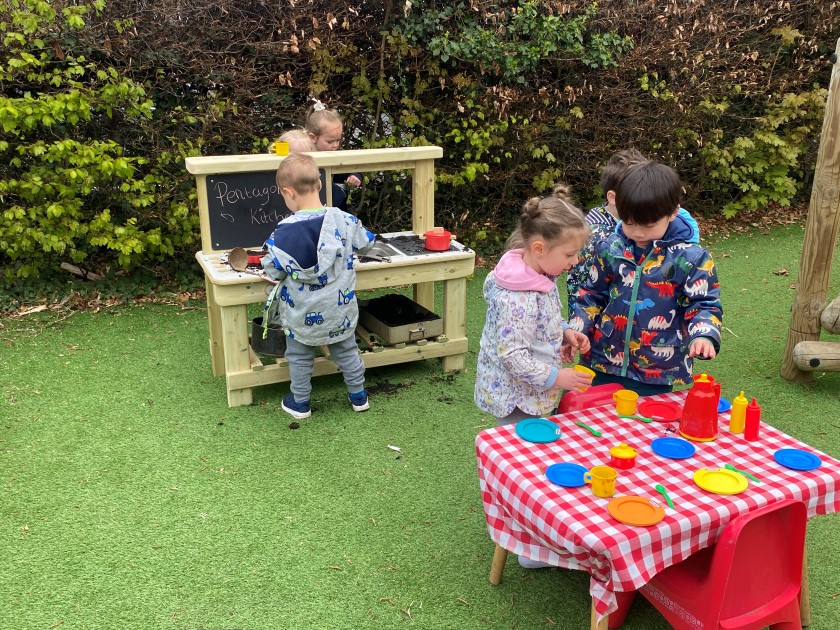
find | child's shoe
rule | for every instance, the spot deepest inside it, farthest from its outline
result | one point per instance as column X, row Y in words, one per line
column 527, row 563
column 359, row 401
column 298, row 410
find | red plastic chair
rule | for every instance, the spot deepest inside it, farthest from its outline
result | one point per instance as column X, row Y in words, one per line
column 592, row 397
column 748, row 580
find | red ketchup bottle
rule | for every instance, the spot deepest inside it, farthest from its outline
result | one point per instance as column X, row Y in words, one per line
column 753, row 420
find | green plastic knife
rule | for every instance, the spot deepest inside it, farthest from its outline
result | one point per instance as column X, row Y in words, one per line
column 741, row 472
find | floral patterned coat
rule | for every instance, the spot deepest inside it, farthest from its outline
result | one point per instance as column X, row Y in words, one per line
column 520, row 347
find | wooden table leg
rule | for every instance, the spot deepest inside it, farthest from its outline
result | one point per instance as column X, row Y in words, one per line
column 454, row 319
column 497, row 568
column 593, row 619
column 424, row 295
column 804, row 596
column 217, row 355
column 237, row 352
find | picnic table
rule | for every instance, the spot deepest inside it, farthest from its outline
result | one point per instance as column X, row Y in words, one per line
column 569, row 527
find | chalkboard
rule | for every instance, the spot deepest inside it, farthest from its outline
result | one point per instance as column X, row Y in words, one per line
column 244, row 208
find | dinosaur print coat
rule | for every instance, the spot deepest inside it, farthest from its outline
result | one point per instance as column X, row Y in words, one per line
column 641, row 314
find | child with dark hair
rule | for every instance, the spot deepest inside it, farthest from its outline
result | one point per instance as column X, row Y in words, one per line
column 651, row 301
column 604, row 219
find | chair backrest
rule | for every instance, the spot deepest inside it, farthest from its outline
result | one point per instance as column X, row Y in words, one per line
column 592, row 397
column 758, row 559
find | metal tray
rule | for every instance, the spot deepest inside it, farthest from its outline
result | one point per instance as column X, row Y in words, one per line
column 398, row 319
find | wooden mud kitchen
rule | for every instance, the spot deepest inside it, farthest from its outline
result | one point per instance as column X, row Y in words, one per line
column 239, row 205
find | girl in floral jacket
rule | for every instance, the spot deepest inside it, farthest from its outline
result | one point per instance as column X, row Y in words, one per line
column 525, row 338
column 652, row 300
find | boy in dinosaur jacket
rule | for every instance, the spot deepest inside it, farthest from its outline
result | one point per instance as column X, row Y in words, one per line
column 651, row 302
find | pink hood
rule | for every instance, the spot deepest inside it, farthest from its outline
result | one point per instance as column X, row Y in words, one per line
column 513, row 274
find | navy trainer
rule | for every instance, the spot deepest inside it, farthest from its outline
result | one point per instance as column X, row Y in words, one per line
column 298, row 410
column 359, row 401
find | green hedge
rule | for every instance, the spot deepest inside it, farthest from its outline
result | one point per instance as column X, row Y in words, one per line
column 101, row 101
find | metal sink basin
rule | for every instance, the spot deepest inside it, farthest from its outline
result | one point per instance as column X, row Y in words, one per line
column 382, row 250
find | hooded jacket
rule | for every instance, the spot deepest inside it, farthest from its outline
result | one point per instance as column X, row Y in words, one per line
column 641, row 316
column 311, row 254
column 519, row 353
column 602, row 225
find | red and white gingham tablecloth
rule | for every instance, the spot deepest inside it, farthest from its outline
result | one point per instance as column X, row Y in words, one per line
column 571, row 528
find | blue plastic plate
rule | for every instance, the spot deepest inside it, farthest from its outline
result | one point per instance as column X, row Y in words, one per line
column 537, row 430
column 672, row 448
column 724, row 405
column 797, row 459
column 566, row 474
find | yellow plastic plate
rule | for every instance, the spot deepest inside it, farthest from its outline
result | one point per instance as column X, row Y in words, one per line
column 721, row 481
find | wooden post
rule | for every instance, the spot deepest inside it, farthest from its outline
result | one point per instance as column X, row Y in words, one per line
column 423, row 219
column 454, row 318
column 821, row 230
column 804, row 594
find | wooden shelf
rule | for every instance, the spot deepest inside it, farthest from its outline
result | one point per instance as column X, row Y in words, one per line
column 278, row 372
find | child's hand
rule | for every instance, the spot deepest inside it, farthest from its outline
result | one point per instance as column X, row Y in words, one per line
column 567, row 354
column 353, row 181
column 575, row 341
column 569, row 378
column 702, row 347
column 265, row 276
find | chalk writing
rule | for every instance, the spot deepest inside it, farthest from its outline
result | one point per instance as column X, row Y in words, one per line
column 233, row 196
column 261, row 216
column 243, row 208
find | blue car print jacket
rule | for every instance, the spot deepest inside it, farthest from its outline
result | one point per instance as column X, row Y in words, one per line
column 311, row 254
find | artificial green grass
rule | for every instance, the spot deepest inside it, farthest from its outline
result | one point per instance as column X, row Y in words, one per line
column 135, row 498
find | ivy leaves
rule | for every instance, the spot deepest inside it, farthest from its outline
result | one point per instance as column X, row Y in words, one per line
column 518, row 42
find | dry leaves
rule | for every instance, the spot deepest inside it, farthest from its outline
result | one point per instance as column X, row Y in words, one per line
column 95, row 302
column 746, row 222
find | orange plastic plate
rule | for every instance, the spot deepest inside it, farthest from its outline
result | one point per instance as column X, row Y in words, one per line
column 635, row 510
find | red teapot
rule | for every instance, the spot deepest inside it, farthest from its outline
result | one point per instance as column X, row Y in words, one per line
column 699, row 420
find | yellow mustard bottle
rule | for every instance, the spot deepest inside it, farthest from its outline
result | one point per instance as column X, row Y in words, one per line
column 738, row 415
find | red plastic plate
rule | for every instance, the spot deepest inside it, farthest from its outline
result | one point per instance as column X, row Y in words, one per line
column 660, row 411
